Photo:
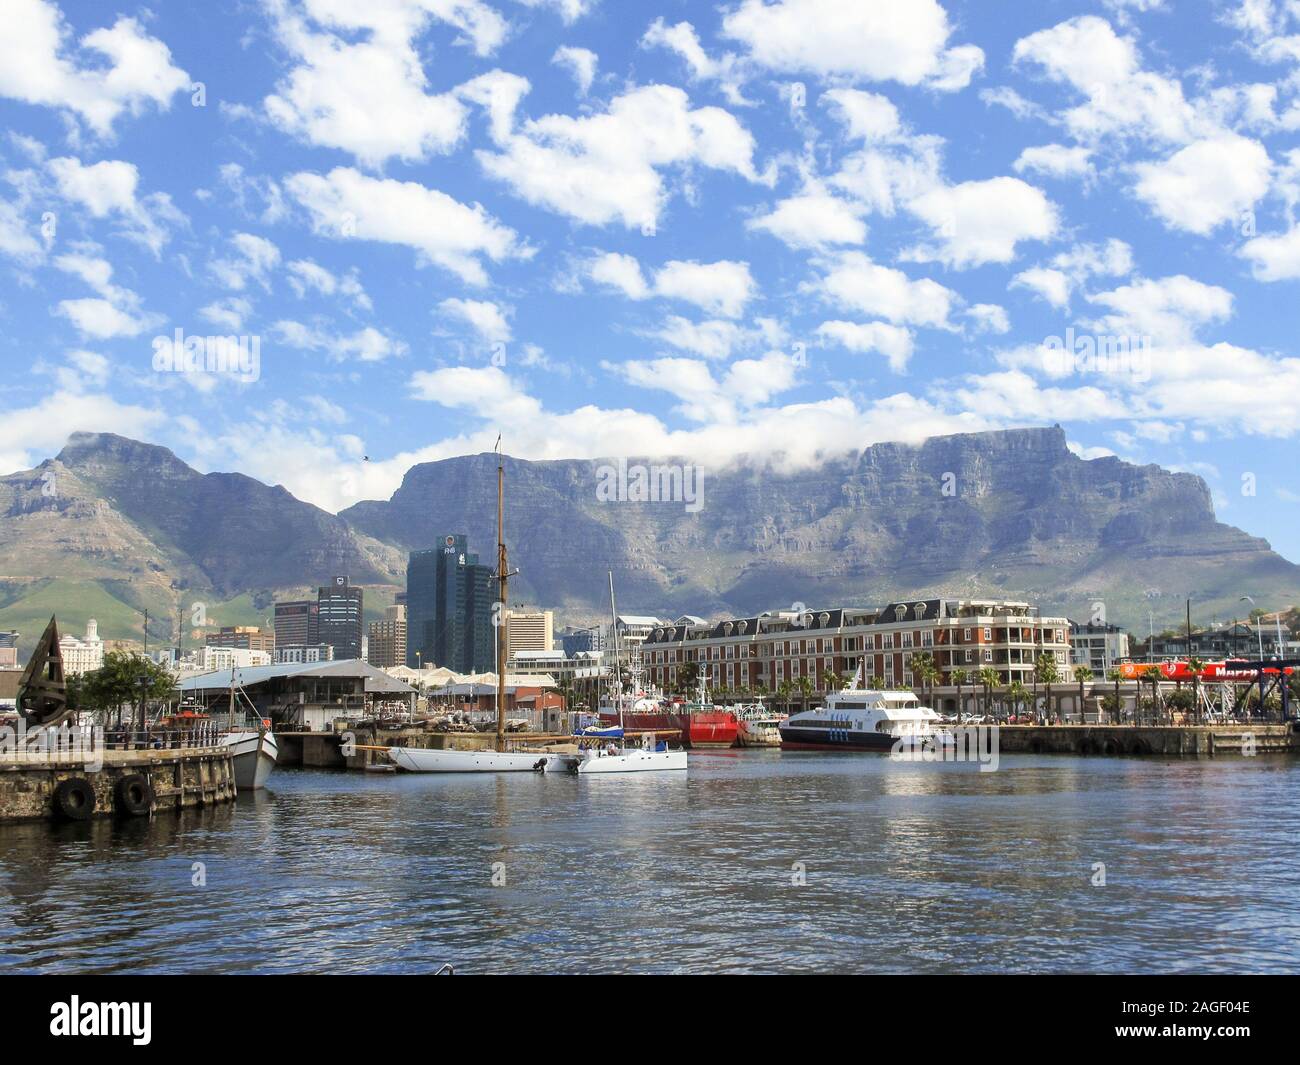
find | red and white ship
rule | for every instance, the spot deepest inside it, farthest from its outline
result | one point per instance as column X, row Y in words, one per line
column 700, row 724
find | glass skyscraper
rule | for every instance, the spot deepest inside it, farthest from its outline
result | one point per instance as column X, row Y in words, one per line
column 449, row 601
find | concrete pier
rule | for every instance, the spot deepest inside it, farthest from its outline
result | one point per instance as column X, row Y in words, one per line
column 130, row 783
column 1189, row 740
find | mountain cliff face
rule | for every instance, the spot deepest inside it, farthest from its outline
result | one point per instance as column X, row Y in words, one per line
column 128, row 525
column 1003, row 513
column 988, row 514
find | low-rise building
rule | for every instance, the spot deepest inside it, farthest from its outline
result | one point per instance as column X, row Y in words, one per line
column 829, row 646
column 245, row 637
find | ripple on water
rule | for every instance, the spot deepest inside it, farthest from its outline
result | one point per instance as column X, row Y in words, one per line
column 758, row 861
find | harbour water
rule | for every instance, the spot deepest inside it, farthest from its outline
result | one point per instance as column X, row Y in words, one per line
column 757, row 861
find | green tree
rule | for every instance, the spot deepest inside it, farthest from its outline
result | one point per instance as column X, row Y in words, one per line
column 126, row 679
column 806, row 690
column 831, row 680
column 989, row 679
column 1018, row 694
column 1047, row 674
column 784, row 691
column 1083, row 674
column 688, row 676
column 876, row 683
column 1153, row 677
column 1115, row 675
column 960, row 678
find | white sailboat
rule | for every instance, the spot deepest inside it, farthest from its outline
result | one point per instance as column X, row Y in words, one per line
column 500, row 760
column 621, row 758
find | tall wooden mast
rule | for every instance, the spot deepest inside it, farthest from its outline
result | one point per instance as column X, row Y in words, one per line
column 503, row 579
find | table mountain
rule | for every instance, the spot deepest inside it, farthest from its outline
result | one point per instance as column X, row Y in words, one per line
column 112, row 525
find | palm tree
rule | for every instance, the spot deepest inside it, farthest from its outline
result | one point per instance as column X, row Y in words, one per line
column 1152, row 677
column 1083, row 674
column 1046, row 673
column 806, row 689
column 876, row 683
column 783, row 692
column 1018, row 694
column 1115, row 676
column 988, row 677
column 960, row 678
column 1196, row 666
column 923, row 672
column 831, row 680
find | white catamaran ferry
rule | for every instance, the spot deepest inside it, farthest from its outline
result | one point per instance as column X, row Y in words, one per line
column 857, row 719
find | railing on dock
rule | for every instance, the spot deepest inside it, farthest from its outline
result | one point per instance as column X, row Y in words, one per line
column 205, row 734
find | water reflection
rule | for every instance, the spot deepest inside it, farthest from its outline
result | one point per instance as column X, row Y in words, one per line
column 757, row 861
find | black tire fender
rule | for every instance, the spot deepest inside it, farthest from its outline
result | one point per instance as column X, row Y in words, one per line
column 134, row 795
column 74, row 799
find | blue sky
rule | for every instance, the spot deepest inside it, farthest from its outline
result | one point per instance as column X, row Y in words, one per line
column 759, row 231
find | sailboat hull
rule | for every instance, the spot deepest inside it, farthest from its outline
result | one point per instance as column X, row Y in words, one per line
column 418, row 760
column 631, row 761
column 253, row 755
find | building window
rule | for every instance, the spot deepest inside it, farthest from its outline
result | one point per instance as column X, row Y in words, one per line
column 905, row 640
column 889, row 641
column 965, row 635
column 988, row 633
column 927, row 638
column 988, row 656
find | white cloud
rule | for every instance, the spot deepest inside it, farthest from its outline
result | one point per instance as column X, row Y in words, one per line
column 988, row 318
column 346, row 204
column 867, row 116
column 43, row 429
column 1275, row 258
column 607, row 167
column 108, row 72
column 307, row 275
column 682, row 39
column 1055, row 160
column 906, row 43
column 1121, row 98
column 568, row 10
column 813, row 219
column 1206, row 183
column 16, row 239
column 579, row 62
column 892, row 341
column 486, row 318
column 1069, row 269
column 712, row 339
column 982, row 221
column 1170, row 310
column 229, row 313
column 252, row 261
column 114, row 312
column 109, row 188
column 366, row 344
column 722, row 287
column 856, row 283
column 359, row 83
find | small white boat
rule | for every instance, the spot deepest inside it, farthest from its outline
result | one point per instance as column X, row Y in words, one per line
column 420, row 760
column 253, row 753
column 627, row 760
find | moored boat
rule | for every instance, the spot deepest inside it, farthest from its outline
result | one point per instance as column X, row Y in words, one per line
column 253, row 753
column 758, row 726
column 865, row 720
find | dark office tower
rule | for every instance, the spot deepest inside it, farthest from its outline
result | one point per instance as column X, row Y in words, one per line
column 339, row 620
column 449, row 601
column 296, row 623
